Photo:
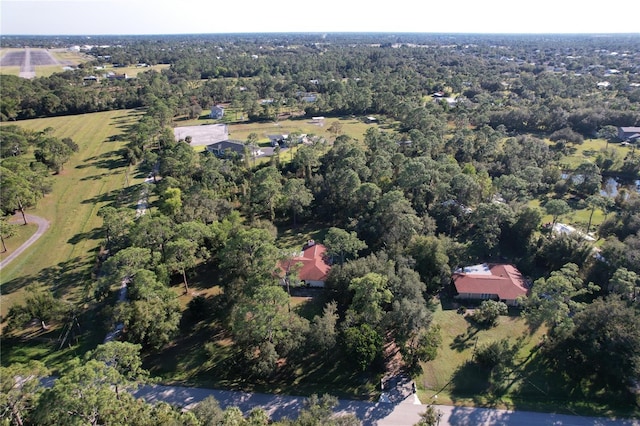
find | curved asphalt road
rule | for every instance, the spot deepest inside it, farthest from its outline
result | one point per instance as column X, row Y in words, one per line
column 43, row 225
column 407, row 412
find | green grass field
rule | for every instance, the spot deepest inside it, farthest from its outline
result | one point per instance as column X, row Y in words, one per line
column 578, row 217
column 69, row 56
column 459, row 339
column 590, row 149
column 97, row 175
column 528, row 385
column 22, row 234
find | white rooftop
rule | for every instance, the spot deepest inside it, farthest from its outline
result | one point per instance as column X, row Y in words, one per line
column 563, row 228
column 481, row 269
column 205, row 134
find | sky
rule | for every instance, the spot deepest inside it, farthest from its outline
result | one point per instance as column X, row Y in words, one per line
column 102, row 17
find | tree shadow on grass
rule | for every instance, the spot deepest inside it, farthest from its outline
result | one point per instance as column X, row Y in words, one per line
column 117, row 198
column 96, row 177
column 470, row 381
column 543, row 387
column 94, row 234
column 465, row 340
column 59, row 278
column 16, row 284
column 109, row 160
column 114, row 162
column 68, row 276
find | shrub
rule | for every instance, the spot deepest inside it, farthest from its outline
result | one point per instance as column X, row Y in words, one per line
column 489, row 311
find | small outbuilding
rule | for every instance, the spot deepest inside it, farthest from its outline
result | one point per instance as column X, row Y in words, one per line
column 217, row 112
column 629, row 134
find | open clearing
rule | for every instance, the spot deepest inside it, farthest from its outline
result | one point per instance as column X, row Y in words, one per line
column 528, row 385
column 459, row 341
column 97, row 175
column 351, row 126
column 202, row 135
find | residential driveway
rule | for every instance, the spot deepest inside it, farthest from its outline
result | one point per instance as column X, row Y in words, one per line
column 406, row 412
column 43, row 225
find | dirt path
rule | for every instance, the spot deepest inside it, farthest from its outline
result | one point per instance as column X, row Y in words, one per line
column 141, row 210
column 43, row 225
column 396, row 384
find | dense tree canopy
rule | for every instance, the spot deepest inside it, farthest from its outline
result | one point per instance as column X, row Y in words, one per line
column 470, row 134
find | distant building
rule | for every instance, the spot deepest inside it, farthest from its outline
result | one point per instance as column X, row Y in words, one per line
column 498, row 282
column 225, row 149
column 217, row 112
column 114, row 76
column 628, row 134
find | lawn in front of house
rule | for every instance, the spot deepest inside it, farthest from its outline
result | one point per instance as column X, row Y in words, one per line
column 131, row 71
column 528, row 385
column 351, row 126
column 459, row 341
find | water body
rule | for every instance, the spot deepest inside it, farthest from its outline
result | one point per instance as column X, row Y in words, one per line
column 610, row 186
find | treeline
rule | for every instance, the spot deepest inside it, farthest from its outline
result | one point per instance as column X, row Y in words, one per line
column 401, row 217
column 404, row 207
column 98, row 389
column 27, row 159
column 523, row 84
column 66, row 94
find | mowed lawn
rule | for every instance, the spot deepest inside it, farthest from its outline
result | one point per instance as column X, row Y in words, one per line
column 97, row 175
column 460, row 339
column 589, row 150
column 21, row 234
column 529, row 384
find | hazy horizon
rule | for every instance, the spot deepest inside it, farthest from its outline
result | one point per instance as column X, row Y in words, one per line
column 187, row 17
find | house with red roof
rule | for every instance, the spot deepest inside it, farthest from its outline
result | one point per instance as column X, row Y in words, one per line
column 310, row 265
column 500, row 282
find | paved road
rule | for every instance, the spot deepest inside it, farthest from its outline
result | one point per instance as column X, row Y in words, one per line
column 43, row 225
column 406, row 412
column 26, row 69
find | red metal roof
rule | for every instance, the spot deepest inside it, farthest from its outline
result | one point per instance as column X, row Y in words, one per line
column 503, row 280
column 314, row 267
